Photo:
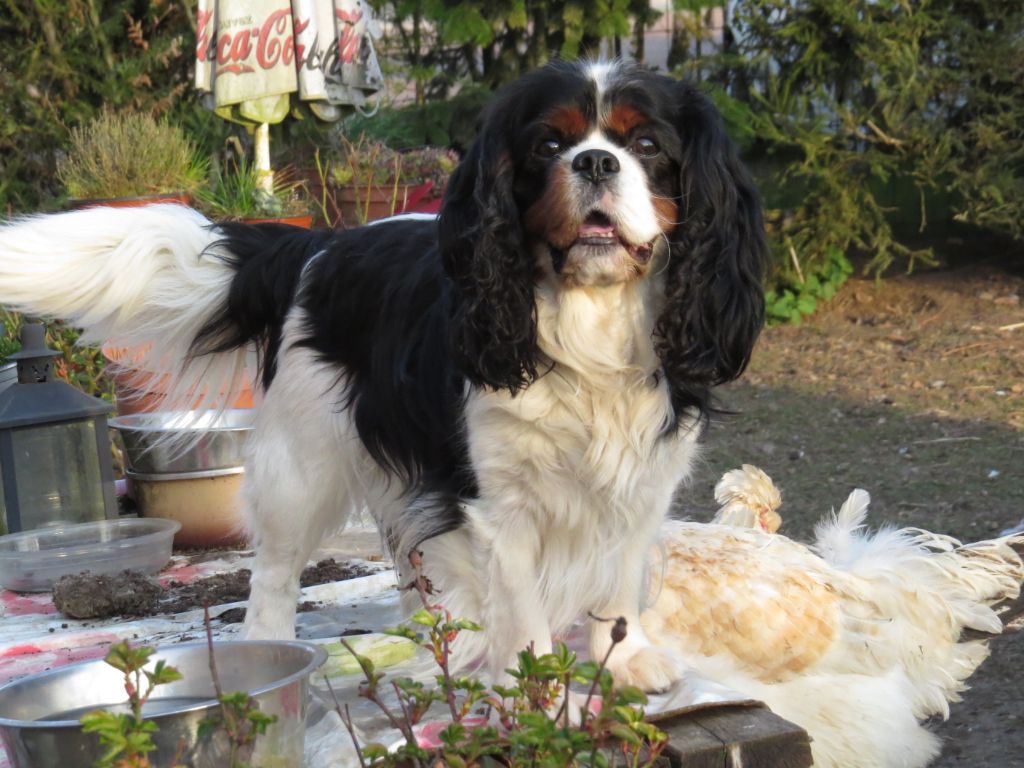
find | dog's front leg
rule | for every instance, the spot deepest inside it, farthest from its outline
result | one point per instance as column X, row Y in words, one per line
column 514, row 614
column 634, row 660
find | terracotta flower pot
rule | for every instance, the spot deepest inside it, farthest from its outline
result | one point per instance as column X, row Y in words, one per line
column 132, row 390
column 378, row 202
column 304, row 221
column 181, row 198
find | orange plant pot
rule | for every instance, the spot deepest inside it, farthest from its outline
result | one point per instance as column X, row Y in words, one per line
column 305, row 221
column 181, row 198
column 132, row 390
column 378, row 202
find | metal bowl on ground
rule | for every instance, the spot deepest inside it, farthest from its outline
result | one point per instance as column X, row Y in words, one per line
column 39, row 714
column 207, row 504
column 32, row 561
column 164, row 442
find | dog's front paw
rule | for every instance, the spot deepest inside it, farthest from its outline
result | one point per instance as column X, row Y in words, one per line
column 648, row 667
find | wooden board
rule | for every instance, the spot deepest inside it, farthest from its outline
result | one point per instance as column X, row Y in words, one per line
column 735, row 737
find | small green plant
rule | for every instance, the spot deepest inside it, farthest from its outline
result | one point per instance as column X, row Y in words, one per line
column 797, row 294
column 532, row 722
column 129, row 154
column 240, row 716
column 128, row 737
column 236, row 193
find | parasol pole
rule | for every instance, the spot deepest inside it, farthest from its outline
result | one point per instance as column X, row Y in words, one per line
column 264, row 173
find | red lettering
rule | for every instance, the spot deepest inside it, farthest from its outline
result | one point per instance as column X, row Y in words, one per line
column 348, row 40
column 241, row 46
column 204, row 22
column 269, row 47
column 223, row 44
column 348, row 46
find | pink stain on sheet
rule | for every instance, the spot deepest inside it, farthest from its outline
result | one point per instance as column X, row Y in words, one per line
column 182, row 571
column 15, row 604
column 30, row 658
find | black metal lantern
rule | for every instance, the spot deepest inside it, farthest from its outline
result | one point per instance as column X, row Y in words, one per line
column 55, row 462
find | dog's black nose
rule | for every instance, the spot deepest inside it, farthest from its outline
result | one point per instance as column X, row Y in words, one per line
column 595, row 164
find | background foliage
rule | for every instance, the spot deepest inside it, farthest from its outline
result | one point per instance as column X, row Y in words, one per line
column 867, row 122
column 62, row 61
column 856, row 98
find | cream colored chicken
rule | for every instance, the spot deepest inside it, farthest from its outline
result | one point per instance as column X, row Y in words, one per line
column 857, row 637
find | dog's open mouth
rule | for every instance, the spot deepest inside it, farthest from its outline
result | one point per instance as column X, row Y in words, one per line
column 598, row 231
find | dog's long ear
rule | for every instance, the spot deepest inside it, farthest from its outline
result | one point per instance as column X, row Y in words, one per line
column 494, row 324
column 714, row 287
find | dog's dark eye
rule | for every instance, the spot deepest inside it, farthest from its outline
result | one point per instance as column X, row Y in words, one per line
column 644, row 147
column 549, row 148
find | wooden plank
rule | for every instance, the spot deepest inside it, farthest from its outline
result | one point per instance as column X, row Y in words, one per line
column 690, row 745
column 736, row 737
column 755, row 737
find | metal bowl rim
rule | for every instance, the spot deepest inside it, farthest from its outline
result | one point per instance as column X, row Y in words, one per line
column 316, row 659
column 140, row 422
column 199, row 474
column 163, row 527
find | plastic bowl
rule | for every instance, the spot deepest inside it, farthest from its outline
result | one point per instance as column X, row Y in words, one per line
column 171, row 442
column 33, row 561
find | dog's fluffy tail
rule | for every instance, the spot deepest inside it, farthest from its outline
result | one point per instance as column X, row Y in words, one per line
column 162, row 281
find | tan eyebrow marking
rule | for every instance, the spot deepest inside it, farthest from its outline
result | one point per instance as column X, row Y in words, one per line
column 623, row 118
column 569, row 121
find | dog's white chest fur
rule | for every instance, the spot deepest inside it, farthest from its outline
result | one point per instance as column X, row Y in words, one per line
column 582, row 464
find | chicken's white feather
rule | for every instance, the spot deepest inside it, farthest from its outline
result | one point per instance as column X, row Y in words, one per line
column 858, row 637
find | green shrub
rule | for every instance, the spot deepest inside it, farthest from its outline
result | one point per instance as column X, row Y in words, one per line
column 62, row 63
column 857, row 98
column 447, row 122
column 129, row 154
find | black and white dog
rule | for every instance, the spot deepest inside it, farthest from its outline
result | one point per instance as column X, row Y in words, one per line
column 516, row 389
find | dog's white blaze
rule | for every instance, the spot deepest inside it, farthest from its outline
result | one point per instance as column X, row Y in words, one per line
column 632, row 209
column 601, row 72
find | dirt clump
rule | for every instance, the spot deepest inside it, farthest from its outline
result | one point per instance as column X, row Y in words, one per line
column 86, row 596
column 129, row 593
column 329, row 570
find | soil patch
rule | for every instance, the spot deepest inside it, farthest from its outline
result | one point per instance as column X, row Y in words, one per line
column 86, row 596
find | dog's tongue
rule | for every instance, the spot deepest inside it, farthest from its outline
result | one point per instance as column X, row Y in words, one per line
column 596, row 225
column 595, row 230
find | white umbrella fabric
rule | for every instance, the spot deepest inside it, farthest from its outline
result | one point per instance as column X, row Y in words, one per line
column 261, row 59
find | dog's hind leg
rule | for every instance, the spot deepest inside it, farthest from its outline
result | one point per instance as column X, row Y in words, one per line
column 302, row 481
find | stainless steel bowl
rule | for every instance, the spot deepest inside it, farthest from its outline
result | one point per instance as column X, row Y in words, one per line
column 39, row 714
column 166, row 442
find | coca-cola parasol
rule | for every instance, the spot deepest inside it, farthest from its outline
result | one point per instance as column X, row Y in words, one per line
column 262, row 59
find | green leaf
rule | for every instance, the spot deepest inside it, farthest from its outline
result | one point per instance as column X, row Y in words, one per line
column 625, row 733
column 424, row 618
column 375, row 751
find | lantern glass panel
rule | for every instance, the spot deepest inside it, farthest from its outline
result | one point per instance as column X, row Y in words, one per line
column 57, row 473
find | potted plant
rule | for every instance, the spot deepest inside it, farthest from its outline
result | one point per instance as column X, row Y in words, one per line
column 368, row 180
column 129, row 159
column 237, row 194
